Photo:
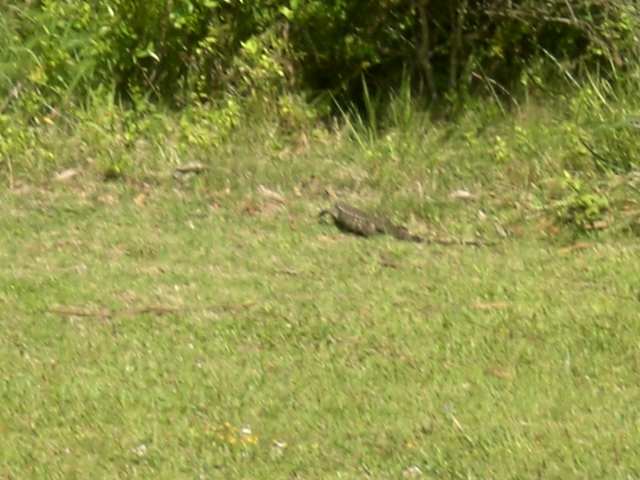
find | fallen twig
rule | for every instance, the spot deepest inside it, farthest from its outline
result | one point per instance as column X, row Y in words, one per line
column 157, row 310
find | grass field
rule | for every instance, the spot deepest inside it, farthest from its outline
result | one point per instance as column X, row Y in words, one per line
column 155, row 332
column 172, row 306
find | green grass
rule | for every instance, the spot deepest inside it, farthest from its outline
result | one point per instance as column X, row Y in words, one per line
column 214, row 327
column 140, row 339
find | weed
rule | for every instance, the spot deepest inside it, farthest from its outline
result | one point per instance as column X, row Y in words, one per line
column 580, row 209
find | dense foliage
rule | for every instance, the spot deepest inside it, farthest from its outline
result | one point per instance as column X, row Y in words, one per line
column 179, row 51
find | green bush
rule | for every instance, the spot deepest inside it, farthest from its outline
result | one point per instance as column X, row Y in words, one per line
column 195, row 50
